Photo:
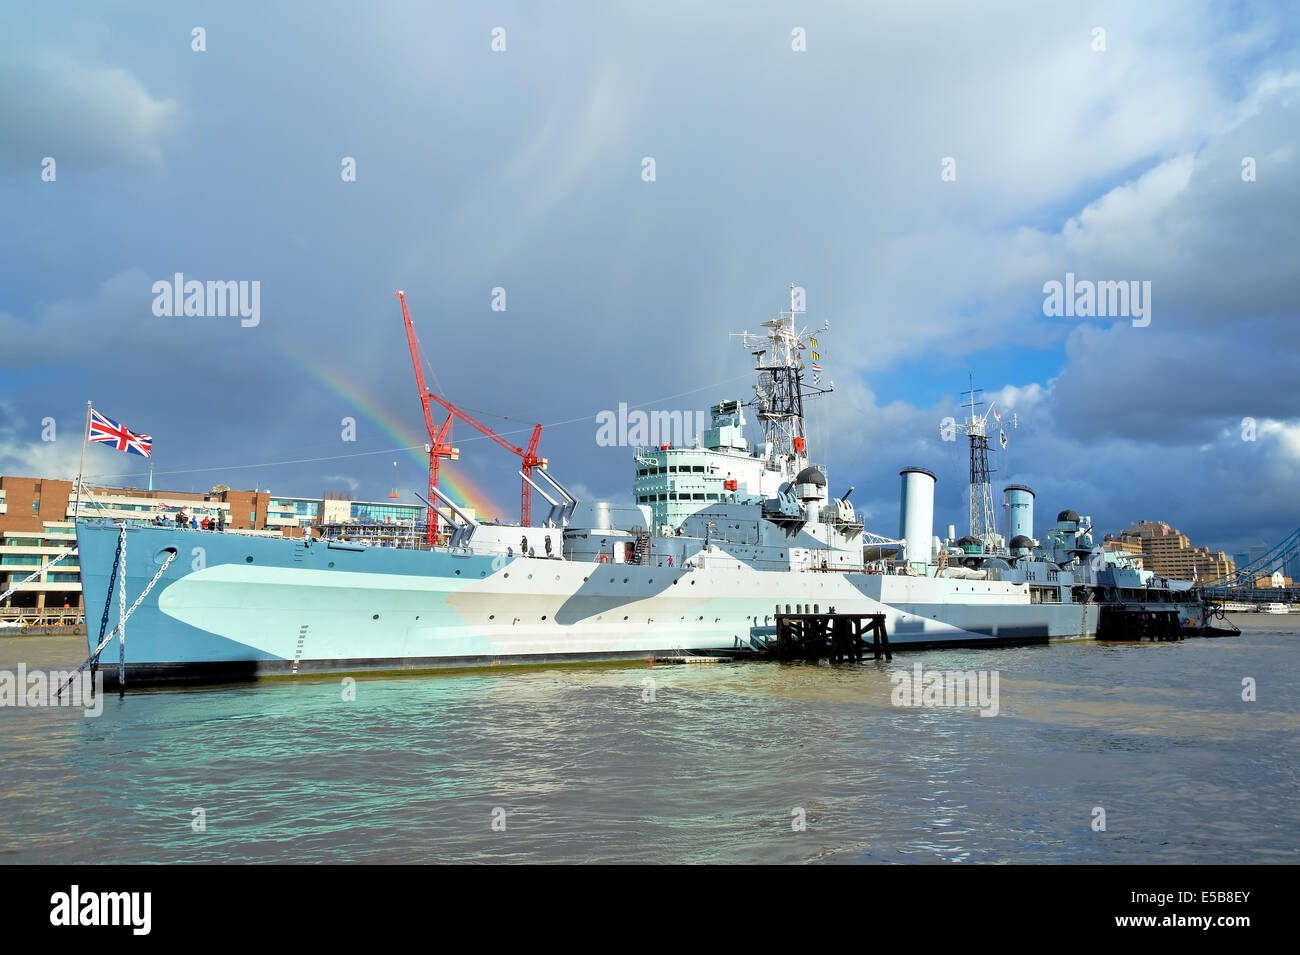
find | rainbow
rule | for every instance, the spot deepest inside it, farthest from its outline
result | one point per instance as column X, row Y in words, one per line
column 405, row 440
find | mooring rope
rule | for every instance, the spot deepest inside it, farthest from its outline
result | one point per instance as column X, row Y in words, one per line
column 38, row 572
column 126, row 615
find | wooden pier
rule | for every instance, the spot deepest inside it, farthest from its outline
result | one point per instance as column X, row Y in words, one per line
column 837, row 637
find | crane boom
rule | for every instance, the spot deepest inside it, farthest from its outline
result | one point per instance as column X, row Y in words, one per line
column 414, row 345
column 439, row 437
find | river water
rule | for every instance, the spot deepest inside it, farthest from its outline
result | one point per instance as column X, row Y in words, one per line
column 753, row 762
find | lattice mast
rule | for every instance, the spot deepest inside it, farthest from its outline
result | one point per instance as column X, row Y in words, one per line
column 779, row 387
column 983, row 516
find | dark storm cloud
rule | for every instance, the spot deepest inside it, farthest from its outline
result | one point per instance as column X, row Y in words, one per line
column 522, row 170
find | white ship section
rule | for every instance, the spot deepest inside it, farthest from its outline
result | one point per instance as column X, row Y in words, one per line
column 538, row 607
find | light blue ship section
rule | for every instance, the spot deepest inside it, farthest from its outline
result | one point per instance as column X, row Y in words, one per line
column 150, row 635
column 241, row 601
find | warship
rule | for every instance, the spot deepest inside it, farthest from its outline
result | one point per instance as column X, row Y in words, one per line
column 719, row 539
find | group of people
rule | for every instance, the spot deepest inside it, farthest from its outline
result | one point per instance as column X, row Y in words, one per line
column 526, row 551
column 217, row 523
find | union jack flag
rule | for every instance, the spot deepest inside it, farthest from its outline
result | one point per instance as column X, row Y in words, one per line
column 108, row 431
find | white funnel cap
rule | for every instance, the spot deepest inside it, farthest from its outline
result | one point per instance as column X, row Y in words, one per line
column 916, row 514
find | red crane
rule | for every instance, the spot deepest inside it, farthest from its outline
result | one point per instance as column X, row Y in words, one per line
column 440, row 438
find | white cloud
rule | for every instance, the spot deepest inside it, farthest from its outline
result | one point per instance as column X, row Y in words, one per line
column 1285, row 433
column 346, row 479
column 84, row 117
column 24, row 454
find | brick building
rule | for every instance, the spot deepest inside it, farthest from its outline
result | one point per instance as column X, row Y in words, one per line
column 36, row 525
column 1170, row 554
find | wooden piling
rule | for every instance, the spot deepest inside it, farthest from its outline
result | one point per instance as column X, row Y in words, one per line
column 837, row 637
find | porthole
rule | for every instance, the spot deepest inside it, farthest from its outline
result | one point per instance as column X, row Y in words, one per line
column 248, row 559
column 625, row 618
column 375, row 617
column 530, row 576
column 543, row 616
column 624, row 579
column 492, row 616
column 331, row 563
column 507, row 573
column 458, row 573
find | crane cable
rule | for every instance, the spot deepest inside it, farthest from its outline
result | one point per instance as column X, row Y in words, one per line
column 413, row 447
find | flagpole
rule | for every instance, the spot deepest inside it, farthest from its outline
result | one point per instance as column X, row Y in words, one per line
column 81, row 468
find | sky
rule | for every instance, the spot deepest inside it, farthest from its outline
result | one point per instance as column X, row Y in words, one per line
column 922, row 170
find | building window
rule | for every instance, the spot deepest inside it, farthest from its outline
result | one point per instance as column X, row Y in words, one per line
column 36, row 505
column 252, row 517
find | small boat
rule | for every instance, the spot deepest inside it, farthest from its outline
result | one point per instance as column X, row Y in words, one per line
column 1274, row 608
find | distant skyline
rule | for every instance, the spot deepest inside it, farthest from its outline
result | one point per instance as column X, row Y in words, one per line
column 923, row 171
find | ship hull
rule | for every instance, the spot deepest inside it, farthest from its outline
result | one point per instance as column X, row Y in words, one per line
column 233, row 607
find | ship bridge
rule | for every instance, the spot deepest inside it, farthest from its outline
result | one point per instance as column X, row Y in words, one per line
column 676, row 483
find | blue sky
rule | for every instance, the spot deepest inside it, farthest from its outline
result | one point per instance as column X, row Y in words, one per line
column 522, row 169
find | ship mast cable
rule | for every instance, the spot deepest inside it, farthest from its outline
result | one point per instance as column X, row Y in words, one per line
column 40, row 570
column 413, row 447
column 124, row 615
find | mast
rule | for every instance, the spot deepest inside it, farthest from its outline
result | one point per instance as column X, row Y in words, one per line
column 983, row 518
column 779, row 388
column 81, row 468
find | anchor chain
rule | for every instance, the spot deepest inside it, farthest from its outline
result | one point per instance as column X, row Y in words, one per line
column 121, row 624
